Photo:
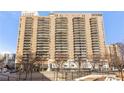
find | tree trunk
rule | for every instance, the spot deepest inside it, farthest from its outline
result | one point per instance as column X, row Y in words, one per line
column 72, row 75
column 122, row 74
column 19, row 74
column 26, row 74
column 57, row 75
column 31, row 70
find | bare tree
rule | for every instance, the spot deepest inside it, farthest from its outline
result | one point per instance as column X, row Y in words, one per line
column 37, row 60
column 121, row 46
column 23, row 66
column 32, row 59
column 59, row 61
column 119, row 62
column 2, row 58
column 79, row 60
column 96, row 60
column 19, row 64
column 28, row 65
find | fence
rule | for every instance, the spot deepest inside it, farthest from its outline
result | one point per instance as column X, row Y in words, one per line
column 5, row 77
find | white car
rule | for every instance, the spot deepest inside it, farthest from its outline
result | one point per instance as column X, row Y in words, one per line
column 87, row 65
column 98, row 78
column 112, row 78
column 115, row 69
column 4, row 70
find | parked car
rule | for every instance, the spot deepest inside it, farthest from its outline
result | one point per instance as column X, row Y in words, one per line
column 112, row 78
column 115, row 69
column 4, row 70
column 98, row 78
column 87, row 66
column 13, row 71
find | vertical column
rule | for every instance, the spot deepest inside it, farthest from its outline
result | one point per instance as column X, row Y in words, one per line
column 21, row 36
column 52, row 37
column 70, row 38
column 88, row 37
column 34, row 34
column 101, row 36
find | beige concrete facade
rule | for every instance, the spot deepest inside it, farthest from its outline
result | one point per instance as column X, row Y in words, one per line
column 62, row 36
column 112, row 51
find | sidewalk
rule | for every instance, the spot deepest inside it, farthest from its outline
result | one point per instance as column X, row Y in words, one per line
column 36, row 76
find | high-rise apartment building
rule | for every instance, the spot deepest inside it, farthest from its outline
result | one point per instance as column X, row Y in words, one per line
column 61, row 36
column 113, row 52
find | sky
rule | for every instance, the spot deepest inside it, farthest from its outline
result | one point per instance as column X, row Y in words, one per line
column 9, row 23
